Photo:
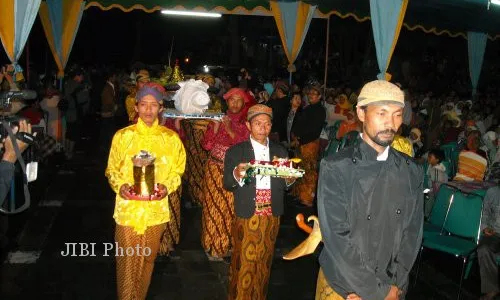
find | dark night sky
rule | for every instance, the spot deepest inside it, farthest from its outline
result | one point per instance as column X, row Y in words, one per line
column 109, row 37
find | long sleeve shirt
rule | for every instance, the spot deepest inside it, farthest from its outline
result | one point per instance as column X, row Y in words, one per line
column 170, row 162
column 491, row 210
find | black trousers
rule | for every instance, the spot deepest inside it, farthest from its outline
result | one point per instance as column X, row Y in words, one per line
column 487, row 252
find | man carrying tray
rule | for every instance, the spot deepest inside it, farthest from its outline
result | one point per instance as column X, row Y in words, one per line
column 258, row 205
column 140, row 222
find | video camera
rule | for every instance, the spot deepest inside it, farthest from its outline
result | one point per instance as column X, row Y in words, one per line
column 7, row 97
column 6, row 117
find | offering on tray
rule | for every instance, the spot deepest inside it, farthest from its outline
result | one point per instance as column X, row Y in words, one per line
column 173, row 113
column 156, row 195
column 144, row 187
column 278, row 167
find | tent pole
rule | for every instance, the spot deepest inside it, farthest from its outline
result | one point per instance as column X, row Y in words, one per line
column 28, row 63
column 326, row 53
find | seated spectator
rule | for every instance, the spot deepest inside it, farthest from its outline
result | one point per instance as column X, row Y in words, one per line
column 436, row 171
column 489, row 244
column 490, row 145
column 343, row 105
column 416, row 140
column 348, row 125
column 450, row 131
column 472, row 161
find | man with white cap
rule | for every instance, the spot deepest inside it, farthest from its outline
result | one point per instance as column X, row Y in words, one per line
column 370, row 206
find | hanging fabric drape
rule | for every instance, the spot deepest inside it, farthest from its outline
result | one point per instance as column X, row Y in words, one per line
column 292, row 20
column 476, row 45
column 16, row 19
column 387, row 18
column 60, row 20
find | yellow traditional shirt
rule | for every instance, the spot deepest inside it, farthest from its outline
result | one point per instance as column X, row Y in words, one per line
column 170, row 162
column 130, row 106
column 402, row 145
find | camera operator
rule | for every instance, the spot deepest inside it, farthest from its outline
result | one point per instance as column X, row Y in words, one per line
column 9, row 158
column 7, row 167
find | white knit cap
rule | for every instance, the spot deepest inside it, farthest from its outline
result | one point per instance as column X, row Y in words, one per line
column 378, row 91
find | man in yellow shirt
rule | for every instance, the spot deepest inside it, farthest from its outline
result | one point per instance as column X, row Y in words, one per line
column 140, row 223
column 141, row 79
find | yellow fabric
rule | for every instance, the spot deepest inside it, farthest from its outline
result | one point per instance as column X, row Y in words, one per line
column 402, row 145
column 276, row 11
column 130, row 106
column 7, row 27
column 302, row 13
column 402, row 13
column 170, row 162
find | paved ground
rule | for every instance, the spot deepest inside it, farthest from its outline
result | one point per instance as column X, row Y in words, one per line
column 77, row 207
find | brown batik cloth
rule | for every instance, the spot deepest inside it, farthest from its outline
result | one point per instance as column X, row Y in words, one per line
column 323, row 289
column 305, row 188
column 218, row 212
column 196, row 158
column 252, row 257
column 133, row 273
column 172, row 231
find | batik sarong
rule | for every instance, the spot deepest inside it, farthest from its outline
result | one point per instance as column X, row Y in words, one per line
column 133, row 272
column 218, row 211
column 172, row 231
column 254, row 240
column 196, row 158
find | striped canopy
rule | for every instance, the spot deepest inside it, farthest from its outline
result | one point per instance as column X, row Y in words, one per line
column 16, row 19
column 450, row 17
column 60, row 20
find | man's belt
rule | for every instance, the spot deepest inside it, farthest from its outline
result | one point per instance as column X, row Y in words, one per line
column 261, row 206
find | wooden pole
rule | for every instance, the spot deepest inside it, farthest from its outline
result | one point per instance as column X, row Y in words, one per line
column 326, row 53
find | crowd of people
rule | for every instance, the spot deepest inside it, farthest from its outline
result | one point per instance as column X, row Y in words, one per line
column 265, row 119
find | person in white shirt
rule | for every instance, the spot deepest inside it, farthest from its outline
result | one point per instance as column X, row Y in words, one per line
column 258, row 204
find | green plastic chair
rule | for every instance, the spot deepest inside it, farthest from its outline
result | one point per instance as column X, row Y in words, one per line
column 451, row 153
column 462, row 226
column 440, row 209
column 333, row 142
column 349, row 139
column 450, row 170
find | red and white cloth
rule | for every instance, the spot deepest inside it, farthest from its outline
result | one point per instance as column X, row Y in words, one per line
column 263, row 203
